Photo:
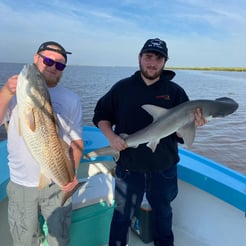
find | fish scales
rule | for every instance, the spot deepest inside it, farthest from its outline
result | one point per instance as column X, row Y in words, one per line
column 51, row 153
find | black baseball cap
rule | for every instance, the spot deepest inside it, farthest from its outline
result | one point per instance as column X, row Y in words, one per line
column 155, row 45
column 50, row 46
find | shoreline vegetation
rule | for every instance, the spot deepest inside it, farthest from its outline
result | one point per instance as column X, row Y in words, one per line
column 226, row 69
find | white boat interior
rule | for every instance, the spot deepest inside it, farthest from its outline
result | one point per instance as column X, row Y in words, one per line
column 208, row 211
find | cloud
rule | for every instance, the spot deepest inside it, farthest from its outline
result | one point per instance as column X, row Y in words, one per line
column 112, row 32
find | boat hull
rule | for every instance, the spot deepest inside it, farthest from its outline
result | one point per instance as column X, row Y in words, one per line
column 209, row 209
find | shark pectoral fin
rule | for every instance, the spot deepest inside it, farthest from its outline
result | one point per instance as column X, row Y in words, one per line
column 152, row 145
column 188, row 133
column 43, row 181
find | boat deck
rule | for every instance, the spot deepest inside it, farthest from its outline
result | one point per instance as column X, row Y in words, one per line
column 181, row 239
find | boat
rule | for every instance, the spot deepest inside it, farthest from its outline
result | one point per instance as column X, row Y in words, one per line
column 208, row 211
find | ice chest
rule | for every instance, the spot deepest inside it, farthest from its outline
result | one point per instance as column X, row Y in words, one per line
column 90, row 225
column 92, row 212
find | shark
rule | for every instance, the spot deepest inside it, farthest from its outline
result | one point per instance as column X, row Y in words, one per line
column 179, row 119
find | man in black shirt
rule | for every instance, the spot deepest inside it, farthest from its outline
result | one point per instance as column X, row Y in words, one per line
column 139, row 170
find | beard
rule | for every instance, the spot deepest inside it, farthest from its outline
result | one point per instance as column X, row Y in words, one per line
column 152, row 76
column 52, row 81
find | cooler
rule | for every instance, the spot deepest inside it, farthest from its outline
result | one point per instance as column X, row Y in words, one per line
column 93, row 207
column 92, row 211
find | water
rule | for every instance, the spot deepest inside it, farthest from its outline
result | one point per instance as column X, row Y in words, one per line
column 222, row 140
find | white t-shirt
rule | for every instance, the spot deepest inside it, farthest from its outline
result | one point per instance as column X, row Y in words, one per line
column 67, row 106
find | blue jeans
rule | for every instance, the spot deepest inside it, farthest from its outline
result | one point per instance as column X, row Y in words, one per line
column 161, row 188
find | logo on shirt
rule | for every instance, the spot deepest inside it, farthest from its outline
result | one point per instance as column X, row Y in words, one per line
column 164, row 97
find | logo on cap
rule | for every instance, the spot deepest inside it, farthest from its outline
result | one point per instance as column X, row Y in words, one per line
column 156, row 43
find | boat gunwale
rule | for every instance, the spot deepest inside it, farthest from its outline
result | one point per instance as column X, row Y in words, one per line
column 213, row 177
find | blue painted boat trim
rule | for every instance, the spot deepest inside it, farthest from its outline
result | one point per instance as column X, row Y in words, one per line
column 4, row 169
column 213, row 177
column 210, row 176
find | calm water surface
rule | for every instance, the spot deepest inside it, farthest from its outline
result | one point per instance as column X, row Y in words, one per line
column 222, row 140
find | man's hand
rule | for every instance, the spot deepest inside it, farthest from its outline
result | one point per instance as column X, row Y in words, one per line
column 6, row 93
column 10, row 85
column 199, row 118
column 117, row 143
column 70, row 186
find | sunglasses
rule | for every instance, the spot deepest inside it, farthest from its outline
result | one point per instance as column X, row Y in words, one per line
column 49, row 62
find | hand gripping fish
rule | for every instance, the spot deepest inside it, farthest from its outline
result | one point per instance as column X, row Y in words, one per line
column 178, row 119
column 37, row 125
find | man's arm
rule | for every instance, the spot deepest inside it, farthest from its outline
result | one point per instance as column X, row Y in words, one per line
column 76, row 151
column 116, row 142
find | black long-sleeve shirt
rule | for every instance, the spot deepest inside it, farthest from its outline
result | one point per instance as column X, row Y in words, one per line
column 121, row 105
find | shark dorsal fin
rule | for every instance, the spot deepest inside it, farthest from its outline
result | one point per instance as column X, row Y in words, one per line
column 155, row 111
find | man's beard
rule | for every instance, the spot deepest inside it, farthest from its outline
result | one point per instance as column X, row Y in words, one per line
column 148, row 76
column 52, row 81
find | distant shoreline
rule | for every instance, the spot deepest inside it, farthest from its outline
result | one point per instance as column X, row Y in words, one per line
column 227, row 69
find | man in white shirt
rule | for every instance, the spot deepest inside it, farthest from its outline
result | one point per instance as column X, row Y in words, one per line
column 26, row 201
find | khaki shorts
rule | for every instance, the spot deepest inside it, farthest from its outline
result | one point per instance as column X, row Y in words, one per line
column 24, row 209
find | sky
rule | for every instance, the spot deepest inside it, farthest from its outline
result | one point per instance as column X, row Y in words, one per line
column 198, row 33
